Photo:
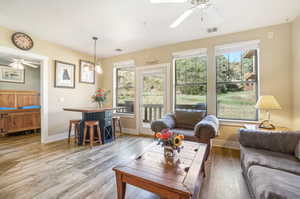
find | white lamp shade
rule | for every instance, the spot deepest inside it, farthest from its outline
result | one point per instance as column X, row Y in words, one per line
column 267, row 102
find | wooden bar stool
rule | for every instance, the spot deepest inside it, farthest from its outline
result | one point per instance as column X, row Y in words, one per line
column 91, row 125
column 76, row 124
column 115, row 120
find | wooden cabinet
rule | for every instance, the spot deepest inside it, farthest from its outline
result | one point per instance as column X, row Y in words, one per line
column 3, row 123
column 19, row 119
column 16, row 121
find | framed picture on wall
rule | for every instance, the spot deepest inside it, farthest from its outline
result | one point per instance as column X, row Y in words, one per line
column 9, row 74
column 86, row 72
column 64, row 75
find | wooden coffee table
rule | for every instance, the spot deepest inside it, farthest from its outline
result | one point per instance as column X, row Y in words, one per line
column 150, row 171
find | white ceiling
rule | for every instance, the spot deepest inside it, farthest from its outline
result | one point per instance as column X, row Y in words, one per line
column 133, row 24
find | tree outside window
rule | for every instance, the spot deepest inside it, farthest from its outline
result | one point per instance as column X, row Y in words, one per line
column 125, row 89
column 191, row 83
column 237, row 85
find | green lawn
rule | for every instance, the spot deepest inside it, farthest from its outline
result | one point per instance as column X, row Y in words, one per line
column 237, row 105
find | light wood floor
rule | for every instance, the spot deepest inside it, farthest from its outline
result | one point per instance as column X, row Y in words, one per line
column 29, row 169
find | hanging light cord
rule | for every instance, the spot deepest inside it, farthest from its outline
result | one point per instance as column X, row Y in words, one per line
column 95, row 50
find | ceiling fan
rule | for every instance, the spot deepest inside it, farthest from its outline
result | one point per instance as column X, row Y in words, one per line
column 204, row 6
column 20, row 63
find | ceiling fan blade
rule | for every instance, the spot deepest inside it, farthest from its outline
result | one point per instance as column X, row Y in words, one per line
column 12, row 59
column 167, row 1
column 13, row 64
column 182, row 17
column 29, row 64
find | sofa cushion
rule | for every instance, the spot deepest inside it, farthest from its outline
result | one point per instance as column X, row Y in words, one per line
column 297, row 151
column 284, row 142
column 188, row 134
column 188, row 119
column 275, row 160
column 269, row 183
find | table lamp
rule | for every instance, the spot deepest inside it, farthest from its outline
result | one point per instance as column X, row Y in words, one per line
column 267, row 103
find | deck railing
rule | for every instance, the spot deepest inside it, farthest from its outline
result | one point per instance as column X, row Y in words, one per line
column 152, row 112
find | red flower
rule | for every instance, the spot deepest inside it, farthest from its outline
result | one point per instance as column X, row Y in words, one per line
column 99, row 95
column 166, row 135
column 165, row 131
column 100, row 90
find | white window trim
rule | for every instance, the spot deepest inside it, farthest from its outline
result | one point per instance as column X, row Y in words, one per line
column 228, row 122
column 228, row 48
column 118, row 65
column 190, row 53
column 199, row 52
column 232, row 47
column 125, row 64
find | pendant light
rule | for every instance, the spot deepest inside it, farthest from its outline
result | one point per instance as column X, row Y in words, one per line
column 98, row 68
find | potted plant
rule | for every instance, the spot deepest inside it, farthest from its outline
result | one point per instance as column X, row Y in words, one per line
column 100, row 97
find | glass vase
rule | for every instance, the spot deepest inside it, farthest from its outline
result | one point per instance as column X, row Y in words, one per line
column 100, row 104
column 170, row 154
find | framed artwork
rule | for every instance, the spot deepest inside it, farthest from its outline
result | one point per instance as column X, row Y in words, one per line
column 64, row 75
column 9, row 74
column 86, row 72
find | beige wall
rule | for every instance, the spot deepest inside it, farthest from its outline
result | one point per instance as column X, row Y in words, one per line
column 275, row 68
column 296, row 72
column 59, row 97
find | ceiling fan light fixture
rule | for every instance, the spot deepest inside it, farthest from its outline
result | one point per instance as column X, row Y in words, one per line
column 17, row 65
column 167, row 1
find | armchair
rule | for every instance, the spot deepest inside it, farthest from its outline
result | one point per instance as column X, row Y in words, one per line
column 195, row 125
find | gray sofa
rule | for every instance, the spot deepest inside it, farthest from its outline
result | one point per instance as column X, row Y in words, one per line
column 195, row 125
column 270, row 163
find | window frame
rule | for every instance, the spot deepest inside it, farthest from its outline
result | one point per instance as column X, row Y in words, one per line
column 202, row 54
column 257, row 85
column 118, row 66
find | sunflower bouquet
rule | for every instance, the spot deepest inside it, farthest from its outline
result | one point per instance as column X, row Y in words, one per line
column 170, row 140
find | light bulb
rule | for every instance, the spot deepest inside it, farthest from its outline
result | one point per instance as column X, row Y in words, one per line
column 13, row 65
column 20, row 66
column 99, row 69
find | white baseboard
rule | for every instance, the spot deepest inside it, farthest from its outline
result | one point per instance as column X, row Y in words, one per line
column 57, row 137
column 226, row 144
column 129, row 131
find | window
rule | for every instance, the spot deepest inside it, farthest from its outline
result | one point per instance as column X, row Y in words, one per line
column 124, row 95
column 191, row 82
column 237, row 82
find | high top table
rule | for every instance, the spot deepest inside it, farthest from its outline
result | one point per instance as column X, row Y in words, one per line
column 103, row 115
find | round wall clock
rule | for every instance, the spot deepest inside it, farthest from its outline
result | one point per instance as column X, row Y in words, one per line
column 22, row 41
